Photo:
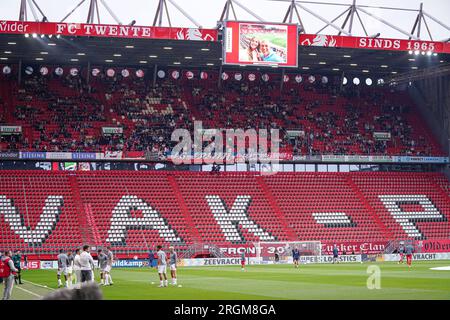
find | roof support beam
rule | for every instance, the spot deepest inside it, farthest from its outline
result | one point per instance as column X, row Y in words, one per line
column 329, row 23
column 98, row 12
column 418, row 23
column 290, row 12
column 157, row 14
column 91, row 12
column 352, row 15
column 23, row 10
column 436, row 20
column 300, row 20
column 36, row 18
column 362, row 24
column 110, row 12
column 415, row 25
column 388, row 24
column 40, row 11
column 229, row 4
column 225, row 11
column 162, row 6
column 428, row 29
column 346, row 19
column 73, row 10
column 184, row 13
column 248, row 10
column 234, row 12
column 167, row 14
column 346, row 11
column 23, row 14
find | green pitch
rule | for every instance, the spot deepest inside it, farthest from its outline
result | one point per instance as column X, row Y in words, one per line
column 343, row 281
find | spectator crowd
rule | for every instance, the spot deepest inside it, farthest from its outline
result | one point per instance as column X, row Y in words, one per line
column 66, row 114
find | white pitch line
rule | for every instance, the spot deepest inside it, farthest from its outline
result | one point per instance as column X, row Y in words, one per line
column 441, row 268
column 29, row 292
column 39, row 285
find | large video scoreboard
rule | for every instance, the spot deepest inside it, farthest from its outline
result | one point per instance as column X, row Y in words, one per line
column 254, row 43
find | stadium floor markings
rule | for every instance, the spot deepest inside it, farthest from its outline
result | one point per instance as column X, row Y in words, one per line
column 301, row 291
column 441, row 268
column 317, row 282
column 27, row 292
column 314, row 289
column 38, row 285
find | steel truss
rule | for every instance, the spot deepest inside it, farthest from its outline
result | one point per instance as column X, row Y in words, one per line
column 162, row 6
column 354, row 10
column 354, row 13
column 23, row 16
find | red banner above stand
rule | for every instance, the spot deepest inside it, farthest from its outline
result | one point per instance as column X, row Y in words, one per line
column 105, row 30
column 321, row 40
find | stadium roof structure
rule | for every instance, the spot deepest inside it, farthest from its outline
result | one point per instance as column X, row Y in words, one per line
column 424, row 25
column 101, row 51
column 55, row 43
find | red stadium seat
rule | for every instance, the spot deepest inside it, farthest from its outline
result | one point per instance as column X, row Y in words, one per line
column 284, row 205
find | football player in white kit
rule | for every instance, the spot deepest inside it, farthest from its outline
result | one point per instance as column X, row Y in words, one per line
column 77, row 266
column 162, row 264
column 62, row 267
column 70, row 268
column 102, row 263
column 173, row 265
column 107, row 270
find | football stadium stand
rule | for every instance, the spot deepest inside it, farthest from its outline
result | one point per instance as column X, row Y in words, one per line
column 132, row 211
column 65, row 114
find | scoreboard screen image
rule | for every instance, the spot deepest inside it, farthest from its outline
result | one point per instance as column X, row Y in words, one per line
column 260, row 44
